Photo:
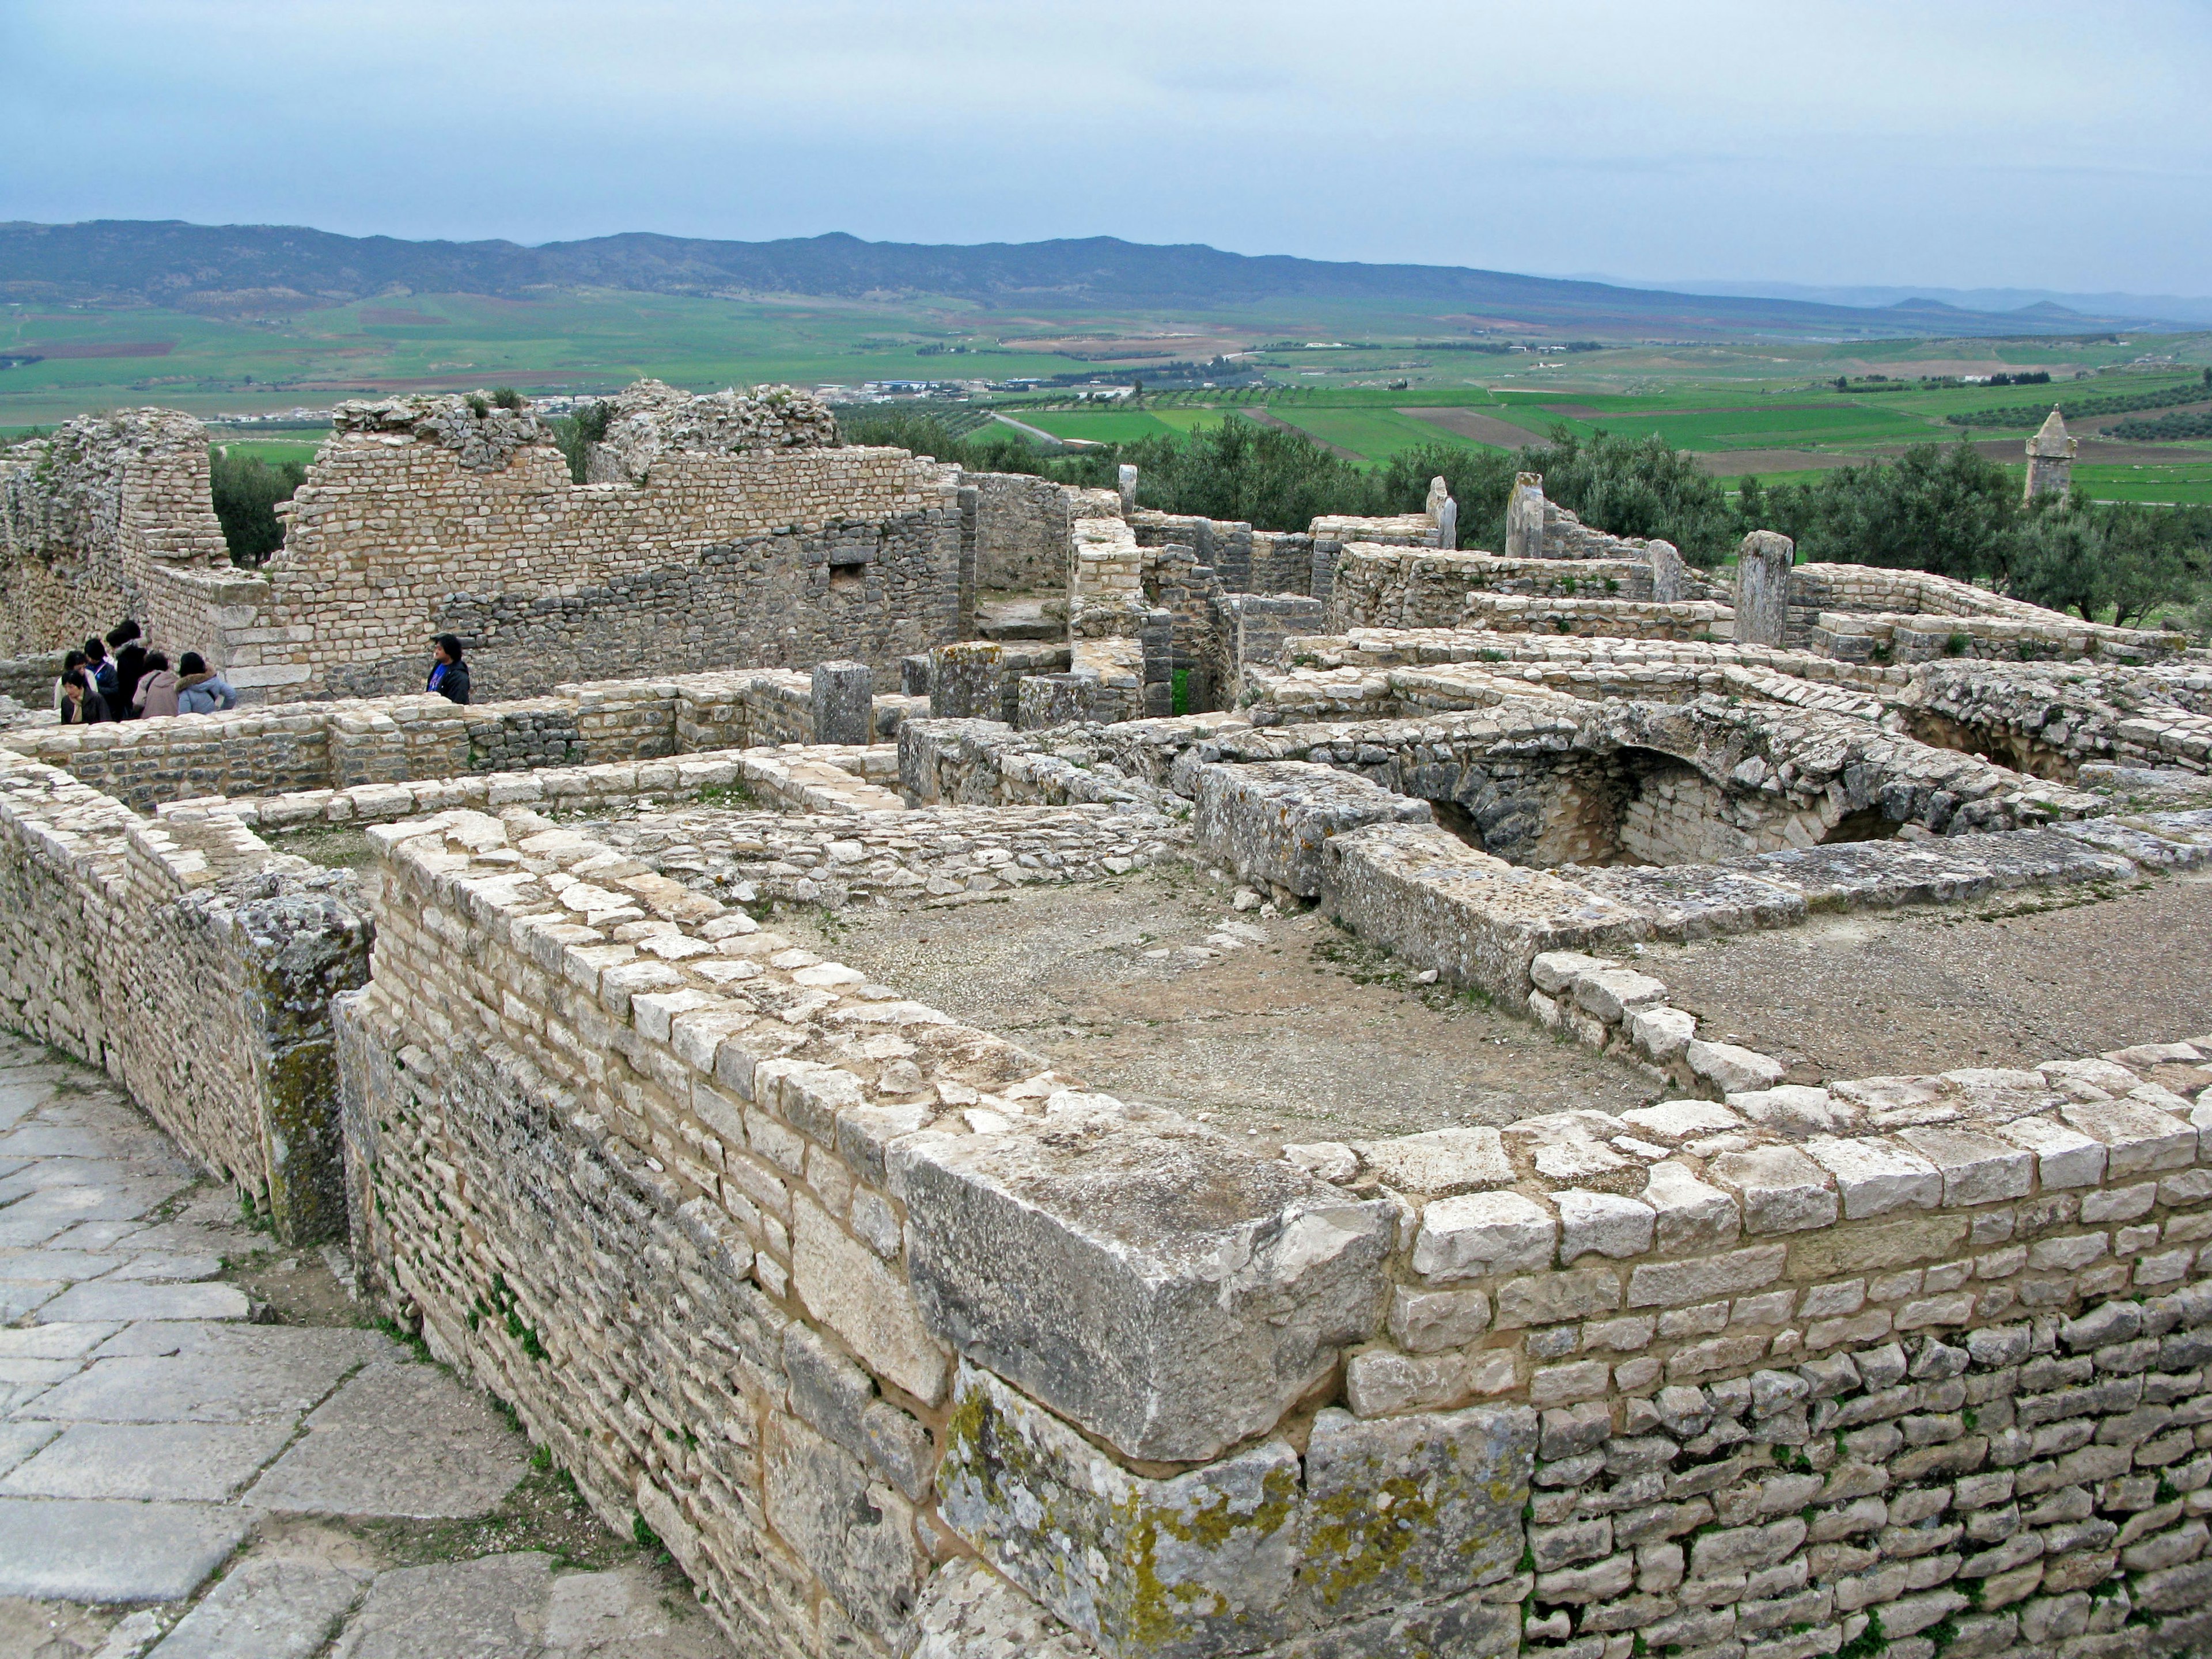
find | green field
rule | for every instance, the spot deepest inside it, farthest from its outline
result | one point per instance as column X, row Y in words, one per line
column 2181, row 483
column 1374, row 435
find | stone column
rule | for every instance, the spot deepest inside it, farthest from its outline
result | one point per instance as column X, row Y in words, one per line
column 1762, row 587
column 844, row 703
column 1127, row 478
column 1448, row 523
column 1666, row 572
column 1524, row 517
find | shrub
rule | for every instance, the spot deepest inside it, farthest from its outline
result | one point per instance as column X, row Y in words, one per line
column 246, row 490
column 575, row 435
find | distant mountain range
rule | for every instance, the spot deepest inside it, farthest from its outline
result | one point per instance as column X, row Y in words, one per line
column 243, row 270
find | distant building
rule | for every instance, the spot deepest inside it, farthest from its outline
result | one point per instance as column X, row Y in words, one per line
column 2050, row 458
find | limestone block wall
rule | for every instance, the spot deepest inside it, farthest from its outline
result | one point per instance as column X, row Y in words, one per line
column 1022, row 531
column 108, row 517
column 196, row 967
column 712, row 558
column 1635, row 619
column 296, row 748
column 896, row 1339
column 1378, row 586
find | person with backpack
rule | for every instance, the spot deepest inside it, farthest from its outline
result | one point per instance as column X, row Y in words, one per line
column 449, row 675
column 199, row 690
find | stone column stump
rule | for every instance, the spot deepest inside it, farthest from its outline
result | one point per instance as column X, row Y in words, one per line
column 1762, row 587
column 844, row 703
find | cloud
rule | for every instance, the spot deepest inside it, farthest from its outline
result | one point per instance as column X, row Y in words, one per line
column 1814, row 141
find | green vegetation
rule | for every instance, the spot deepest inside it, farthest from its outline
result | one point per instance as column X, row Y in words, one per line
column 1958, row 513
column 2075, row 409
column 2164, row 426
column 1637, row 487
column 247, row 489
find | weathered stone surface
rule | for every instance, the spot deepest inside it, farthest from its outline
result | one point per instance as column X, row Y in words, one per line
column 1151, row 1283
column 402, row 1440
column 1781, row 1189
column 1271, row 822
column 1876, row 1176
column 1441, row 1161
column 1456, row 1485
column 267, row 1609
column 856, row 1533
column 112, row 1551
column 967, row 1613
column 1689, row 1213
column 1199, row 1564
column 202, row 1463
column 1602, row 1224
column 1483, row 1233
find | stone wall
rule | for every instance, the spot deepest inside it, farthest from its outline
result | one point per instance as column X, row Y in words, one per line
column 1021, row 533
column 897, row 1342
column 196, row 967
column 296, row 748
column 1380, row 586
column 108, row 517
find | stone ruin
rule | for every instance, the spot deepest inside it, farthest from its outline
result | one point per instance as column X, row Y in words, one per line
column 906, row 1342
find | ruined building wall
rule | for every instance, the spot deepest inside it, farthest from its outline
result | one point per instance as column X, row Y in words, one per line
column 196, row 967
column 711, row 559
column 1021, row 531
column 894, row 1341
column 108, row 517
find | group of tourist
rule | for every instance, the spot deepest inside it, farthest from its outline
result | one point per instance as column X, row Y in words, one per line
column 117, row 679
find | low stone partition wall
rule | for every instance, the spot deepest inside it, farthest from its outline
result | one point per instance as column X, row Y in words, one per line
column 934, row 858
column 1391, row 587
column 901, row 1344
column 802, row 777
column 295, row 747
column 1633, row 619
column 196, row 967
column 30, row 680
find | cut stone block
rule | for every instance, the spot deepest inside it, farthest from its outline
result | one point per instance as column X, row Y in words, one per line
column 1877, row 1176
column 1782, row 1190
column 1689, row 1213
column 2138, row 1139
column 1677, row 1121
column 1978, row 1169
column 1142, row 1278
column 1483, row 1233
column 1270, row 820
column 1441, row 1161
column 104, row 1299
column 2064, row 1157
column 1436, row 903
column 1731, row 1069
column 1602, row 1224
column 60, row 1549
column 1472, row 1468
column 1203, row 1562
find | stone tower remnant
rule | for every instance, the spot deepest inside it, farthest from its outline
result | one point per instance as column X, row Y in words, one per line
column 1524, row 517
column 1762, row 587
column 2051, row 454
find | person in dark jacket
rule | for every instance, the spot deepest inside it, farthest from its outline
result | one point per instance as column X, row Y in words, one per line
column 82, row 703
column 124, row 646
column 100, row 671
column 449, row 675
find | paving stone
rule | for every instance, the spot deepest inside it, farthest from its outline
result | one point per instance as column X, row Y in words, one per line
column 616, row 1614
column 64, row 1206
column 19, row 1296
column 403, row 1440
column 69, row 1266
column 475, row 1608
column 167, row 1268
column 56, row 1340
column 105, row 1550
column 274, row 1382
column 19, row 1440
column 103, row 1299
column 266, row 1609
column 205, row 1462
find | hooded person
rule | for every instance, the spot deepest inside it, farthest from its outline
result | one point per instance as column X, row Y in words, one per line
column 157, row 695
column 449, row 675
column 199, row 690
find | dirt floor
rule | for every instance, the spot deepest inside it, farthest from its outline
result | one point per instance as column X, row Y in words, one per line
column 1300, row 1033
column 1928, row 990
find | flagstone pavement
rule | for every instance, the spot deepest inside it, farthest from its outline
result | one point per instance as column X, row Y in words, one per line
column 180, row 1478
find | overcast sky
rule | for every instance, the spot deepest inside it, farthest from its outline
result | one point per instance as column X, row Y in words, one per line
column 2026, row 143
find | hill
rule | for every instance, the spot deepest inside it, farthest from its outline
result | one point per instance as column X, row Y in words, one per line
column 261, row 270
